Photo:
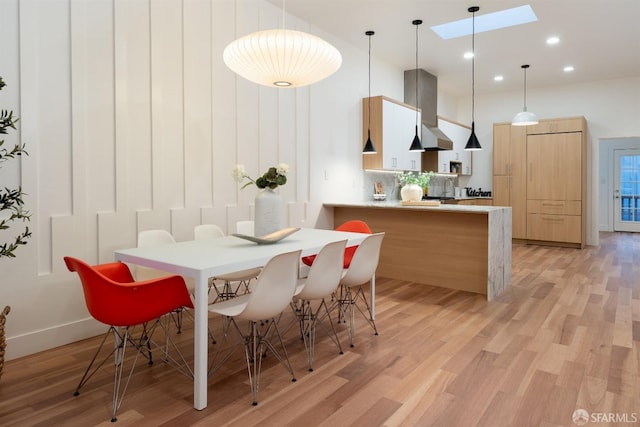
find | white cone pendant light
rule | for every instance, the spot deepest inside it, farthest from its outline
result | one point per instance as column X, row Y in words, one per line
column 282, row 58
column 369, row 148
column 473, row 144
column 416, row 145
column 525, row 118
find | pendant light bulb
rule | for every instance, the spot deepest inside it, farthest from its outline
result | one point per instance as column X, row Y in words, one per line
column 416, row 145
column 473, row 144
column 282, row 58
column 369, row 148
column 525, row 118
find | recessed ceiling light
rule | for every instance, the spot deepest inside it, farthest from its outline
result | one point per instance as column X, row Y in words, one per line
column 468, row 55
column 490, row 21
column 498, row 78
column 568, row 69
column 553, row 40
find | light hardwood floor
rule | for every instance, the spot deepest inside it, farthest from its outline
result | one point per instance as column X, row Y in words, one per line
column 564, row 337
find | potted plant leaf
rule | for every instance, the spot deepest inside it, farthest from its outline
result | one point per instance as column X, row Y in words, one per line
column 11, row 209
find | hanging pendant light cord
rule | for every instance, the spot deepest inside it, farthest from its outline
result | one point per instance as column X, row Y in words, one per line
column 525, row 88
column 417, row 22
column 473, row 67
column 371, row 33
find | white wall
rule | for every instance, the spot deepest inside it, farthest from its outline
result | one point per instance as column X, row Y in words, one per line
column 132, row 121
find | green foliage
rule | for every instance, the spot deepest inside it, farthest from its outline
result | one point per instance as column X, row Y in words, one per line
column 11, row 199
column 420, row 178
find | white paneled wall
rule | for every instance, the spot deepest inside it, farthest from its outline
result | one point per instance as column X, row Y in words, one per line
column 133, row 122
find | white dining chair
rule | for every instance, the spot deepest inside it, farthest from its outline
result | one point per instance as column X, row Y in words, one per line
column 270, row 296
column 245, row 227
column 157, row 237
column 322, row 281
column 232, row 283
column 207, row 231
column 150, row 238
column 350, row 294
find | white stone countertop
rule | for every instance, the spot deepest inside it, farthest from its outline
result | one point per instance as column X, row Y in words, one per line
column 395, row 204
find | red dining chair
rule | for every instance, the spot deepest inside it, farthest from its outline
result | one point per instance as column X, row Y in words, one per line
column 354, row 226
column 114, row 298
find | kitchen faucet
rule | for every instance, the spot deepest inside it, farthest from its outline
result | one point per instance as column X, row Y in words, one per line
column 448, row 187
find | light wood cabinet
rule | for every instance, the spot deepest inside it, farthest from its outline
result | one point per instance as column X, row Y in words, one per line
column 509, row 174
column 569, row 124
column 556, row 165
column 539, row 171
column 392, row 130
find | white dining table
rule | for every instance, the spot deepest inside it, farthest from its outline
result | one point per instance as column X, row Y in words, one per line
column 202, row 259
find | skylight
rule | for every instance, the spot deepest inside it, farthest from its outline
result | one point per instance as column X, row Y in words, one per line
column 490, row 21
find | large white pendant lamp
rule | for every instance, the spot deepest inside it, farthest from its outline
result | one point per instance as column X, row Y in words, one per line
column 282, row 58
column 416, row 145
column 473, row 144
column 524, row 117
column 369, row 148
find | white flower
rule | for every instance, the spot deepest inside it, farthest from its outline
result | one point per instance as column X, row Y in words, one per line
column 282, row 169
column 239, row 173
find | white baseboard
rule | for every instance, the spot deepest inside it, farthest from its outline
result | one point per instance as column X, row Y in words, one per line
column 45, row 339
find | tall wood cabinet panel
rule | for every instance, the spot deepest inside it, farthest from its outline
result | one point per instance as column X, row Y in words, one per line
column 392, row 130
column 509, row 174
column 556, row 171
column 540, row 172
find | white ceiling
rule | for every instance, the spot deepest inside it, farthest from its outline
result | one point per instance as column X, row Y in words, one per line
column 600, row 38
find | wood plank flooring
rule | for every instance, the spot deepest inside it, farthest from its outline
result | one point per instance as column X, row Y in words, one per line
column 564, row 337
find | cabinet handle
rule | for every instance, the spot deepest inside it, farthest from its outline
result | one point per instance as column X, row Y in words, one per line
column 561, row 204
column 552, row 219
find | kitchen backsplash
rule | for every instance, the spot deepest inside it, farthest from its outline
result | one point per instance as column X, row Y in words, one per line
column 442, row 185
column 388, row 180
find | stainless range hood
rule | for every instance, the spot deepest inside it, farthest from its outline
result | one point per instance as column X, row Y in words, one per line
column 433, row 139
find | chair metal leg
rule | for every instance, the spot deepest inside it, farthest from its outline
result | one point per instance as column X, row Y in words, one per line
column 256, row 343
column 143, row 344
column 309, row 320
column 88, row 373
column 326, row 314
column 347, row 303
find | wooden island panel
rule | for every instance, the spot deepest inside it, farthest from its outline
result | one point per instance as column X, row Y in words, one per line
column 457, row 249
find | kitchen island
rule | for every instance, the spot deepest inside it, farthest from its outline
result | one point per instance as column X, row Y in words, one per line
column 452, row 246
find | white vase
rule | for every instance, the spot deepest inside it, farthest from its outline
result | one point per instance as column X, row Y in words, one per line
column 411, row 193
column 268, row 215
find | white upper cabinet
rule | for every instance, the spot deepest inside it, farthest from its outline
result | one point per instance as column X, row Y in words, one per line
column 393, row 125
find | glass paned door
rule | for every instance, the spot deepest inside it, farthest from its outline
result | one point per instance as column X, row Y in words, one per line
column 627, row 190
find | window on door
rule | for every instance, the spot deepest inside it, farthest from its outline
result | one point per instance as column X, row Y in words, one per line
column 627, row 191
